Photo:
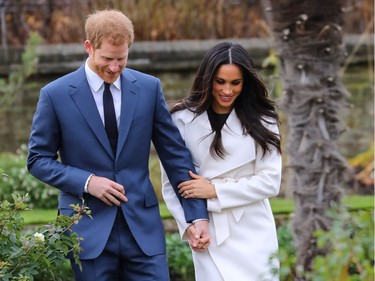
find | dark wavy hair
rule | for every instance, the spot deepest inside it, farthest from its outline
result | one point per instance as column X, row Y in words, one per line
column 253, row 107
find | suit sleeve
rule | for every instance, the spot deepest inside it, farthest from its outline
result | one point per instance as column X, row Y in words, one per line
column 175, row 157
column 44, row 143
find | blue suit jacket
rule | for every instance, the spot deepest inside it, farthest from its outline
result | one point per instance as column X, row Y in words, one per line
column 68, row 142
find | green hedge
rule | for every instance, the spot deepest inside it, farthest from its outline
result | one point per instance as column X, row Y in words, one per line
column 16, row 179
column 280, row 206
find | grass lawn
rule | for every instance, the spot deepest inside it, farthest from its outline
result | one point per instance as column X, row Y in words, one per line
column 279, row 206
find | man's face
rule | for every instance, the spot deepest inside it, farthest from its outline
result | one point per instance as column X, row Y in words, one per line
column 107, row 61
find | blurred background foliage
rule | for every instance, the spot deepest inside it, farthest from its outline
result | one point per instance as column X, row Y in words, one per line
column 62, row 21
column 29, row 23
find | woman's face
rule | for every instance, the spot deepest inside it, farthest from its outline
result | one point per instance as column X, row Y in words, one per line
column 227, row 86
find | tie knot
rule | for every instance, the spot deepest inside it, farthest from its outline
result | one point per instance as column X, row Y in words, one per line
column 106, row 86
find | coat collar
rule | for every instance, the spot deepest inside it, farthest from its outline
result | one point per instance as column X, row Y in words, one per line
column 240, row 148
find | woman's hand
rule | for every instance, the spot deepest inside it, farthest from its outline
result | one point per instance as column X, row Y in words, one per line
column 198, row 187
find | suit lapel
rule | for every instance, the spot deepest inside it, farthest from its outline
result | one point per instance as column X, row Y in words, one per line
column 129, row 101
column 82, row 96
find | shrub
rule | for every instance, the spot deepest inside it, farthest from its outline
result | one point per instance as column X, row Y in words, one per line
column 286, row 253
column 39, row 254
column 180, row 259
column 19, row 180
column 350, row 255
column 351, row 249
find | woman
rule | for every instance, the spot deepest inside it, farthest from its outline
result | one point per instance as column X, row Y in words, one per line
column 231, row 129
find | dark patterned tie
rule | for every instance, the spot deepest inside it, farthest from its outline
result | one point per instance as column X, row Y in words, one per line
column 110, row 117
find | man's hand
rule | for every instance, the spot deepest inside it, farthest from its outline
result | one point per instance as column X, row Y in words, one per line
column 106, row 190
column 199, row 237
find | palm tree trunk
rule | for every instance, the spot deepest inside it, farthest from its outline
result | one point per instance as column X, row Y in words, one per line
column 308, row 39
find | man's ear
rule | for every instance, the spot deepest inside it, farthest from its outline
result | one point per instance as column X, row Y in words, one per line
column 88, row 47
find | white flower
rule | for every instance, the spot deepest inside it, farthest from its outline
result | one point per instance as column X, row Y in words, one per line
column 39, row 237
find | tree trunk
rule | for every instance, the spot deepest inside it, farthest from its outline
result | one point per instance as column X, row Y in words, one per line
column 308, row 40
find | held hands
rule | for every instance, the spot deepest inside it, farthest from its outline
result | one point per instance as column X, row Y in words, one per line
column 106, row 190
column 199, row 237
column 198, row 187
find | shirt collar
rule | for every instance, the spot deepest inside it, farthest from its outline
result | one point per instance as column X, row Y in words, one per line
column 95, row 81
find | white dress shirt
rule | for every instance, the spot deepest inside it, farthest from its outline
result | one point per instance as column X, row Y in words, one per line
column 97, row 88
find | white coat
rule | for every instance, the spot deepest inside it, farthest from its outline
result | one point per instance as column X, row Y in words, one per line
column 242, row 226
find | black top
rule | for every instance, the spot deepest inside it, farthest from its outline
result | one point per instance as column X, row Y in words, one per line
column 217, row 120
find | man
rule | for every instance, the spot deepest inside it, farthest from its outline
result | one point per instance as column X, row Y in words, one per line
column 74, row 147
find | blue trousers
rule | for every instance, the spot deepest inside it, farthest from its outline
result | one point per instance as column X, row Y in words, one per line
column 122, row 260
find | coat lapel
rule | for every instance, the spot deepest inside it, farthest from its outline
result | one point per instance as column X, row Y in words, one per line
column 240, row 148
